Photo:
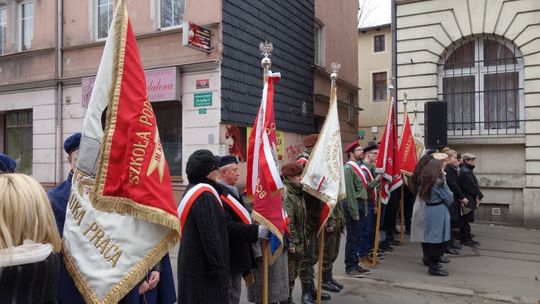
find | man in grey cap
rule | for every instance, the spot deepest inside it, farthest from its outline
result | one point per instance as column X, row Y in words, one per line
column 469, row 183
column 242, row 233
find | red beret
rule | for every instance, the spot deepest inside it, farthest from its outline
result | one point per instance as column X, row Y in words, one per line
column 310, row 140
column 350, row 148
column 292, row 169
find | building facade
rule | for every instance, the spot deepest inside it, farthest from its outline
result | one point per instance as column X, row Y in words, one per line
column 374, row 71
column 50, row 53
column 482, row 58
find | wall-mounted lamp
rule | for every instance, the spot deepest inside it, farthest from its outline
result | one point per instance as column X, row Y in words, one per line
column 374, row 131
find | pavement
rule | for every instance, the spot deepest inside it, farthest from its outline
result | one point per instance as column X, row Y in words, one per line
column 505, row 268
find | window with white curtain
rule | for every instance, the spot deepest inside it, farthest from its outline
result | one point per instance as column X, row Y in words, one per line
column 105, row 11
column 481, row 79
column 171, row 13
column 26, row 25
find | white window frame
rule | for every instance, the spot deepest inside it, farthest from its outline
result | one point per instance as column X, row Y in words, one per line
column 319, row 36
column 20, row 42
column 373, row 44
column 158, row 14
column 3, row 8
column 96, row 19
column 479, row 71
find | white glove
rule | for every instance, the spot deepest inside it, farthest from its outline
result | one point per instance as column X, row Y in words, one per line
column 263, row 232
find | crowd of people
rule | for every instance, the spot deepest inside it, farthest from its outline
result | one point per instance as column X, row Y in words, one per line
column 446, row 194
column 220, row 243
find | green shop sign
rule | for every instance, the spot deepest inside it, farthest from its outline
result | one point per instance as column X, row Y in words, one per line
column 202, row 99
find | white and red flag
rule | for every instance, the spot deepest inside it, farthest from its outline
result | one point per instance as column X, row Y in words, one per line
column 121, row 218
column 407, row 147
column 263, row 181
column 323, row 176
column 389, row 162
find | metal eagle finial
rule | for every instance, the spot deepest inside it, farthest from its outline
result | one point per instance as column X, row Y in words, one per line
column 266, row 49
column 334, row 67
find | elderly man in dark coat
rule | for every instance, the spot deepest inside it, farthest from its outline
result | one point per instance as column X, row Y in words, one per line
column 203, row 258
column 471, row 190
column 242, row 233
column 159, row 288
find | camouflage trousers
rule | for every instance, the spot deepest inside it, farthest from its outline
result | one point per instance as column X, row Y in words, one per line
column 331, row 249
column 310, row 257
column 294, row 270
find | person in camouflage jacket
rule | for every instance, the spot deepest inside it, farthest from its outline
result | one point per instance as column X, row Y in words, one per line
column 296, row 210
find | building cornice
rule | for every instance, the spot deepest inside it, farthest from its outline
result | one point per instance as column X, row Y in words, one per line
column 321, row 71
column 12, row 56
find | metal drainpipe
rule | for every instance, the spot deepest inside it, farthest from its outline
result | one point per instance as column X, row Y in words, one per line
column 59, row 94
column 394, row 55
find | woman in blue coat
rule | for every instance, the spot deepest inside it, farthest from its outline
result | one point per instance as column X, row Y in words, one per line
column 437, row 196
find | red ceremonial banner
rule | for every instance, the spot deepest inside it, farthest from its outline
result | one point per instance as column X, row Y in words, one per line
column 133, row 176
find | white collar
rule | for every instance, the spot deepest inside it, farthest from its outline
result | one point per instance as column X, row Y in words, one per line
column 27, row 253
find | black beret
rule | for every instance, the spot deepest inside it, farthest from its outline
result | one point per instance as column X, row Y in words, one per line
column 7, row 164
column 72, row 143
column 370, row 148
column 227, row 160
column 200, row 163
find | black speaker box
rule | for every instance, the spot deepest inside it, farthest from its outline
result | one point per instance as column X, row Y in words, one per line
column 435, row 124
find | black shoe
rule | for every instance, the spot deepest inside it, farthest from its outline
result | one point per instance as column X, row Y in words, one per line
column 437, row 271
column 452, row 251
column 470, row 243
column 394, row 242
column 338, row 284
column 324, row 296
column 455, row 244
column 327, row 283
column 444, row 259
column 307, row 298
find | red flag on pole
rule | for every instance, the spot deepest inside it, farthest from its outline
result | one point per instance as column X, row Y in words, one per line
column 263, row 180
column 121, row 218
column 388, row 162
column 407, row 147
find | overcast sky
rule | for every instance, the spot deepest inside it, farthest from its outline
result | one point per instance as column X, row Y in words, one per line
column 379, row 12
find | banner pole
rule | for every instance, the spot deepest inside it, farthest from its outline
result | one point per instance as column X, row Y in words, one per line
column 321, row 257
column 377, row 227
column 266, row 259
column 402, row 217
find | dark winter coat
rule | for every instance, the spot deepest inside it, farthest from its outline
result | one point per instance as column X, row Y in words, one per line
column 203, row 257
column 469, row 185
column 241, row 236
column 453, row 184
column 33, row 283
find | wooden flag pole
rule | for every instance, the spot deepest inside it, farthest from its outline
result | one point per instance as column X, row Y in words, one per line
column 377, row 227
column 321, row 257
column 266, row 259
column 402, row 217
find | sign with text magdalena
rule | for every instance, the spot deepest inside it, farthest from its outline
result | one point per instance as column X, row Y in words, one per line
column 161, row 85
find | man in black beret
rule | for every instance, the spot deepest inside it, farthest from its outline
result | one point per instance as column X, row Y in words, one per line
column 7, row 164
column 242, row 232
column 203, row 257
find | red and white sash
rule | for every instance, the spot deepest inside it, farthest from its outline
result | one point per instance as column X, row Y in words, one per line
column 189, row 199
column 237, row 207
column 287, row 222
column 367, row 172
column 359, row 171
